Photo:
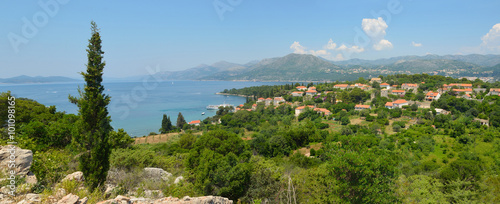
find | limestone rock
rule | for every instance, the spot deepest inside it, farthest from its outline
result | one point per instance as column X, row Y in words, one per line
column 22, row 157
column 33, row 197
column 156, row 174
column 77, row 176
column 69, row 199
column 178, row 179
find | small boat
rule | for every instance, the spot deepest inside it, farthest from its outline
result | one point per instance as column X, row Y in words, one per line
column 203, row 113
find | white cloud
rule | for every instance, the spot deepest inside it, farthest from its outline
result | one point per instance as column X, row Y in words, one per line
column 354, row 48
column 299, row 49
column 491, row 41
column 375, row 29
column 414, row 44
column 331, row 45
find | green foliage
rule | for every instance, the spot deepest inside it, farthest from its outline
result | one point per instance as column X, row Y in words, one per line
column 166, row 124
column 187, row 141
column 180, row 121
column 120, row 139
column 218, row 164
column 363, row 176
column 94, row 127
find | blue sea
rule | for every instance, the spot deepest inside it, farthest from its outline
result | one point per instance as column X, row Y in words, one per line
column 138, row 107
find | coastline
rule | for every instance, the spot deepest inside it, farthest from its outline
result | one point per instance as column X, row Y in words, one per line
column 228, row 94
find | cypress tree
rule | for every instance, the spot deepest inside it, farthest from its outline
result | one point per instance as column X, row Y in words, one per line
column 180, row 121
column 94, row 124
column 166, row 124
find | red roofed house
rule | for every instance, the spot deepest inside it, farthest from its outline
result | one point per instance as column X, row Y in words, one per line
column 409, row 86
column 261, row 100
column 278, row 100
column 301, row 109
column 311, row 92
column 400, row 103
column 195, row 122
column 495, row 91
column 301, row 88
column 385, row 85
column 467, row 96
column 312, row 88
column 467, row 91
column 324, row 111
column 389, row 105
column 432, row 96
column 398, row 92
column 341, row 86
column 465, row 86
column 361, row 107
column 378, row 80
column 254, row 106
column 269, row 101
column 297, row 93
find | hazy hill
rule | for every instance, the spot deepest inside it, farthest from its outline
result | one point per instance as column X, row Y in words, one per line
column 482, row 60
column 23, row 79
column 201, row 71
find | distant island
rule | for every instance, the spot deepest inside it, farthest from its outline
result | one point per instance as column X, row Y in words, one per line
column 23, row 79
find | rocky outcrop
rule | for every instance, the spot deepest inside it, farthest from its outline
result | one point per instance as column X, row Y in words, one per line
column 156, row 174
column 22, row 157
column 169, row 200
column 77, row 176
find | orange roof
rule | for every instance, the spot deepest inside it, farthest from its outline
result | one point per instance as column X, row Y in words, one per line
column 430, row 93
column 464, row 85
column 495, row 89
column 301, row 87
column 384, row 84
column 467, row 95
column 398, row 91
column 400, row 101
column 388, row 104
column 311, row 91
column 312, row 87
column 254, row 105
column 297, row 92
column 375, row 79
column 279, row 99
column 394, row 85
column 341, row 85
column 362, row 106
column 302, row 107
column 412, row 85
column 261, row 99
column 462, row 90
column 423, row 82
column 194, row 122
column 324, row 110
column 269, row 99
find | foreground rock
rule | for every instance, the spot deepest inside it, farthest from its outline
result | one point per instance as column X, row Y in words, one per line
column 156, row 174
column 169, row 200
column 22, row 157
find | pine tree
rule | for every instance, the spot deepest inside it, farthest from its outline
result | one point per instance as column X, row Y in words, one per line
column 180, row 121
column 94, row 124
column 166, row 124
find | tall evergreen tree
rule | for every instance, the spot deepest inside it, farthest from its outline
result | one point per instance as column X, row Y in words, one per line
column 94, row 124
column 180, row 121
column 166, row 124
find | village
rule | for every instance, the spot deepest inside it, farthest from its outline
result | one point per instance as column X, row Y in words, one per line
column 395, row 92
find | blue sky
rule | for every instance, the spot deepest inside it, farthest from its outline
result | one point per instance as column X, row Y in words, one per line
column 176, row 35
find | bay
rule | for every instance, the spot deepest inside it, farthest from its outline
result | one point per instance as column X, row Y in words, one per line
column 138, row 106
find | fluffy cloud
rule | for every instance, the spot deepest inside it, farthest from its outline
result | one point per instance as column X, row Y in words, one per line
column 414, row 44
column 491, row 41
column 375, row 29
column 299, row 49
column 331, row 45
column 352, row 49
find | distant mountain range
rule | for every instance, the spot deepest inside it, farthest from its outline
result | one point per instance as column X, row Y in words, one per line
column 23, row 79
column 299, row 67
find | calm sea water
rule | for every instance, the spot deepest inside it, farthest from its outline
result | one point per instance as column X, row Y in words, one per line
column 138, row 107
